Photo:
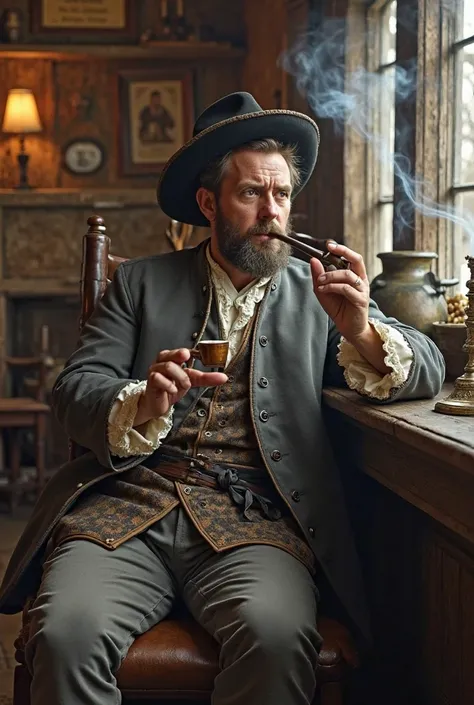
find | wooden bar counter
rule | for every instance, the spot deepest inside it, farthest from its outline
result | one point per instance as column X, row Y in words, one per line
column 409, row 478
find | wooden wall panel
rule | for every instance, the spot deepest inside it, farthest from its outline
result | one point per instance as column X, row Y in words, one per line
column 85, row 81
column 266, row 39
column 304, row 207
column 42, row 243
column 214, row 80
column 319, row 209
column 328, row 219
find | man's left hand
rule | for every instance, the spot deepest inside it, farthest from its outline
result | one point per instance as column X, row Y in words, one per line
column 344, row 293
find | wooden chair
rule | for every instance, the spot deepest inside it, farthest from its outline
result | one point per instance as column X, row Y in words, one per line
column 177, row 660
column 18, row 413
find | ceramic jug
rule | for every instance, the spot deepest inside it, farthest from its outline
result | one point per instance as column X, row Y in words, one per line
column 408, row 290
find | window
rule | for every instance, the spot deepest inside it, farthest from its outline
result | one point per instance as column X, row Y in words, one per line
column 463, row 171
column 383, row 21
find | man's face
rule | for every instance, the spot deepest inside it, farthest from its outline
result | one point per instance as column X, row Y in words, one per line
column 254, row 201
column 155, row 101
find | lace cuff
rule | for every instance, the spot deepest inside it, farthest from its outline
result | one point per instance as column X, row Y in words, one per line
column 365, row 379
column 124, row 440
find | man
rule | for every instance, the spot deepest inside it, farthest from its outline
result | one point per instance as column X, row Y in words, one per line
column 155, row 121
column 215, row 487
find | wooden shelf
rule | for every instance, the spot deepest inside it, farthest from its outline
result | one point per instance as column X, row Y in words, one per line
column 100, row 198
column 156, row 50
column 33, row 288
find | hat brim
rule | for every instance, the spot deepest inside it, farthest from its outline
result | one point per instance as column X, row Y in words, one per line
column 179, row 180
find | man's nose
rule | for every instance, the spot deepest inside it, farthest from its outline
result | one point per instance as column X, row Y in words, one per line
column 268, row 210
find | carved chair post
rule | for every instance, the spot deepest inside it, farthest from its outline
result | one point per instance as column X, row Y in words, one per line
column 95, row 252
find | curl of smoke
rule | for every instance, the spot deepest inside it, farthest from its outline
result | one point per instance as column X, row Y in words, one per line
column 352, row 99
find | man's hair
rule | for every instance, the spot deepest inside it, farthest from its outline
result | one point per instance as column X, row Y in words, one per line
column 211, row 177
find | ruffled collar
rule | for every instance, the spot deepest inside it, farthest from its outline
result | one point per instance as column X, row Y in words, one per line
column 228, row 296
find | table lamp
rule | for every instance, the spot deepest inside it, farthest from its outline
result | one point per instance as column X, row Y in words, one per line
column 21, row 118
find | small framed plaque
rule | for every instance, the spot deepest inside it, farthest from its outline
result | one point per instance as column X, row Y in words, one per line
column 70, row 17
column 83, row 157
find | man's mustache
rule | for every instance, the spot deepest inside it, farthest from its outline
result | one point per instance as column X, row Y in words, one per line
column 265, row 229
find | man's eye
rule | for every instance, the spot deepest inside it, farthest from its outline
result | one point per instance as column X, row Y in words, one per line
column 250, row 191
column 284, row 194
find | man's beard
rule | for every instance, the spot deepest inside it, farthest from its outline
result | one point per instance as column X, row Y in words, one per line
column 239, row 249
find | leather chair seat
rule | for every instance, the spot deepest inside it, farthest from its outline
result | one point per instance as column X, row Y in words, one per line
column 179, row 659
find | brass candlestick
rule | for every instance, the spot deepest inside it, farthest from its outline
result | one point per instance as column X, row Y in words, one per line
column 461, row 400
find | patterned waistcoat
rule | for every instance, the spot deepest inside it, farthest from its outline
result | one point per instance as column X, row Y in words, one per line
column 219, row 426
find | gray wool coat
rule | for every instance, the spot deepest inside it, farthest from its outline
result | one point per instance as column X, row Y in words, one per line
column 159, row 302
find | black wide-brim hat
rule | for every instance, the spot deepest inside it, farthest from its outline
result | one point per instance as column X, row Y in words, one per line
column 227, row 124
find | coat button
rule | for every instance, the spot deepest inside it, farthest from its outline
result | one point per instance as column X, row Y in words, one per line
column 222, row 423
column 263, row 382
column 79, row 485
column 273, row 286
column 263, row 340
column 231, row 378
column 208, row 434
column 218, row 451
column 295, row 496
column 109, row 541
column 204, row 289
column 194, row 336
column 264, row 415
column 311, row 532
column 201, row 412
column 187, row 490
column 276, row 455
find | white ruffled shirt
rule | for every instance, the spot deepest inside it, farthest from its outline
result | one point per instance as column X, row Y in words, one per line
column 236, row 308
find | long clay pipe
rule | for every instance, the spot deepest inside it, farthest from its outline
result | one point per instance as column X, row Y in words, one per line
column 329, row 261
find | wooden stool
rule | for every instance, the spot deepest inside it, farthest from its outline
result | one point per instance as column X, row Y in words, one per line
column 16, row 414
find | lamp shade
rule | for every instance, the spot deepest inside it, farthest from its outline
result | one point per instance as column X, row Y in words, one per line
column 21, row 113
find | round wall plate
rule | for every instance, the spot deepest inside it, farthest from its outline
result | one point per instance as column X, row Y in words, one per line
column 83, row 156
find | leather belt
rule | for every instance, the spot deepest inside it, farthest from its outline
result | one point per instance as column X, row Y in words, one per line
column 228, row 478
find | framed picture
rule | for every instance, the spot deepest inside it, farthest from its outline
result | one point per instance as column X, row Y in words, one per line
column 108, row 18
column 83, row 156
column 156, row 115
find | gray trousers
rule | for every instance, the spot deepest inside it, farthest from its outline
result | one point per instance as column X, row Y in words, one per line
column 258, row 602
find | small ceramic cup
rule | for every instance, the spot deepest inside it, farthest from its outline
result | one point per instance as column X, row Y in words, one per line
column 212, row 353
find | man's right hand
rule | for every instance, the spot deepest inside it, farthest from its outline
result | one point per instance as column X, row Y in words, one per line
column 168, row 382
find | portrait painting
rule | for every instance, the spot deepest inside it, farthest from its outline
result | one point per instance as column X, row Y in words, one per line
column 155, row 118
